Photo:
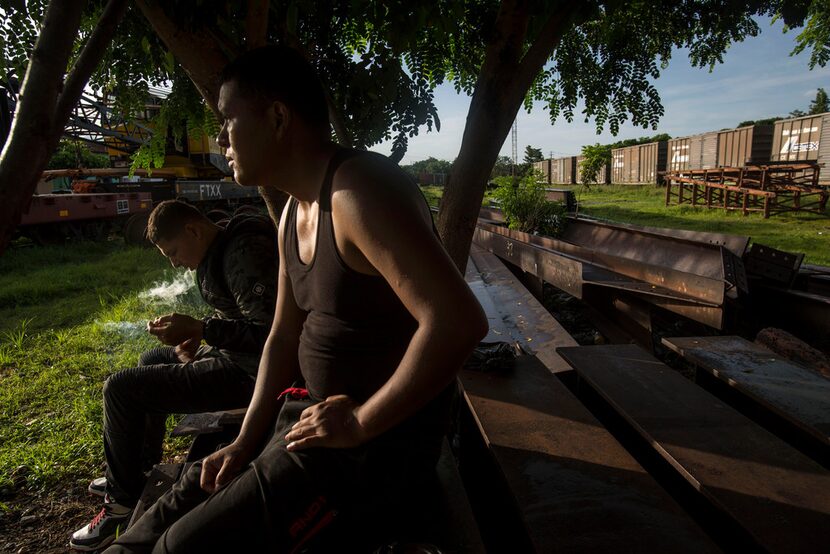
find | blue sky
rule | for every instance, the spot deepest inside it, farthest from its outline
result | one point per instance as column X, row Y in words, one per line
column 758, row 79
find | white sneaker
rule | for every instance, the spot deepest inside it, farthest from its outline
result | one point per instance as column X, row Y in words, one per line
column 98, row 487
column 104, row 528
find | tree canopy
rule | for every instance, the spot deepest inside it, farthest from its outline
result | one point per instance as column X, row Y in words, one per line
column 380, row 61
column 820, row 104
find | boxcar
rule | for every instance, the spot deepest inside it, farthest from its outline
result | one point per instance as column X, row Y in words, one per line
column 638, row 164
column 744, row 146
column 693, row 152
column 804, row 139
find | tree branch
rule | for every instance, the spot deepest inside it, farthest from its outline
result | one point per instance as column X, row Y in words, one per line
column 86, row 63
column 27, row 147
column 256, row 23
column 200, row 55
column 335, row 118
column 552, row 32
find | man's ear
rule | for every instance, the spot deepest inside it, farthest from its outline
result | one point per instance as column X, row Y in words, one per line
column 279, row 117
column 192, row 230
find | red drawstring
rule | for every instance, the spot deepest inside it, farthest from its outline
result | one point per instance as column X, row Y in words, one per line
column 296, row 393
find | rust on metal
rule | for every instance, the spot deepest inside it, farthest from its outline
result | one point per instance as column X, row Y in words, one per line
column 773, row 491
column 513, row 313
column 794, row 393
column 577, row 489
column 766, row 188
column 570, row 267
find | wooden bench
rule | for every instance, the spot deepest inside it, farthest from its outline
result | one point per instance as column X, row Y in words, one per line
column 780, row 497
column 547, row 462
column 796, row 395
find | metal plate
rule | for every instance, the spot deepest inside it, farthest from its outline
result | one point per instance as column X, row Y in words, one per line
column 776, row 493
column 799, row 395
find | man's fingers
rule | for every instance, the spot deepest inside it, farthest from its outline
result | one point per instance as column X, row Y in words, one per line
column 225, row 475
column 300, row 432
column 208, row 477
column 308, row 412
column 308, row 442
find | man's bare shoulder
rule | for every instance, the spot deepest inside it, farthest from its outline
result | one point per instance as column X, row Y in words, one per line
column 372, row 182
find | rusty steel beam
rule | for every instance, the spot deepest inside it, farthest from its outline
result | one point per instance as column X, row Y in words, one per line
column 571, row 274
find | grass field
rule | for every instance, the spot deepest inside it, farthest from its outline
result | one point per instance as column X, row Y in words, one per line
column 70, row 317
column 645, row 205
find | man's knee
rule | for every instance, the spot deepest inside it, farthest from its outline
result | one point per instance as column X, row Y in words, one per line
column 114, row 386
column 160, row 355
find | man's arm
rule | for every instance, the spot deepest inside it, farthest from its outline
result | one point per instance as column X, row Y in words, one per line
column 250, row 267
column 403, row 249
column 278, row 369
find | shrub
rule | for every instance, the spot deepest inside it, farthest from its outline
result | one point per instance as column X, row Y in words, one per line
column 526, row 208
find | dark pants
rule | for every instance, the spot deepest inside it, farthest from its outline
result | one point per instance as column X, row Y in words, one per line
column 138, row 400
column 282, row 500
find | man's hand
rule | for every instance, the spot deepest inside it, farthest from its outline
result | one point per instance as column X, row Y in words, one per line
column 186, row 351
column 174, row 329
column 222, row 466
column 332, row 423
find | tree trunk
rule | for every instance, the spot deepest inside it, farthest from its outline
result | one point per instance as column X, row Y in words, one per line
column 503, row 81
column 46, row 102
column 203, row 58
column 27, row 151
column 200, row 55
column 256, row 24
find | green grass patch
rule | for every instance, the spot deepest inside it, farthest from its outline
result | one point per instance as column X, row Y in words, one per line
column 76, row 315
column 803, row 232
column 54, row 287
column 645, row 205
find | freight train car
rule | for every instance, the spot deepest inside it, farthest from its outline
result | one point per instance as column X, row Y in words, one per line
column 52, row 218
column 557, row 171
column 638, row 164
column 744, row 146
column 804, row 139
column 693, row 152
column 92, row 199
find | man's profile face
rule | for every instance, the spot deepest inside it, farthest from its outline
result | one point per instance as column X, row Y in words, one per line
column 246, row 135
column 184, row 250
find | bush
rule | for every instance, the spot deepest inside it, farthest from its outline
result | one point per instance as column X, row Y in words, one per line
column 595, row 159
column 526, row 207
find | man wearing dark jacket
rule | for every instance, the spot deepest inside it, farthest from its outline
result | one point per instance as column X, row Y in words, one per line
column 236, row 270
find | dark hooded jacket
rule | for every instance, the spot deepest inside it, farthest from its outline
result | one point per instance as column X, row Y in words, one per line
column 238, row 279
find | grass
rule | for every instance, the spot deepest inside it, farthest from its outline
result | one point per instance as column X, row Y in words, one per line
column 70, row 317
column 645, row 205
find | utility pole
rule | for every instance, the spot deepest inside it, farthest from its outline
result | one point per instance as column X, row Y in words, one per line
column 515, row 134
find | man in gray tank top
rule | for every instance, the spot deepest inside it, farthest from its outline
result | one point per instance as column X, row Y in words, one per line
column 371, row 314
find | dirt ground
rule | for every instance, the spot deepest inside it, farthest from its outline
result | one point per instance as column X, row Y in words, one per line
column 43, row 523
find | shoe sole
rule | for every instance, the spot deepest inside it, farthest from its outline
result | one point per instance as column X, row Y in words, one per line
column 96, row 492
column 100, row 546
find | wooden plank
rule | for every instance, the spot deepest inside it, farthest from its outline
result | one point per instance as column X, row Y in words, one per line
column 781, row 497
column 577, row 488
column 794, row 393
